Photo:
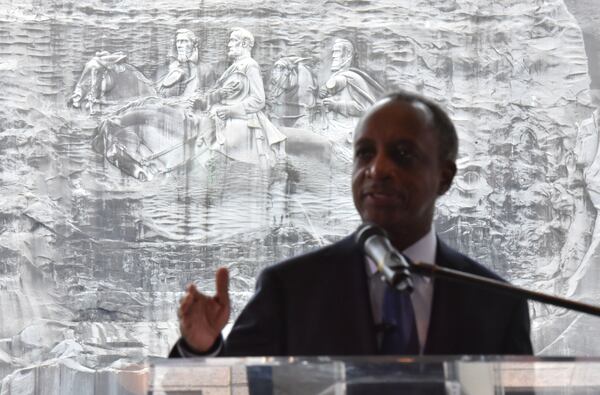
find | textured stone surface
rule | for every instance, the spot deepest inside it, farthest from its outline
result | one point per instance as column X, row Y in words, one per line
column 92, row 261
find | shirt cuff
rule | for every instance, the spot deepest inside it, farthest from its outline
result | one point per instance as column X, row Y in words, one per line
column 186, row 351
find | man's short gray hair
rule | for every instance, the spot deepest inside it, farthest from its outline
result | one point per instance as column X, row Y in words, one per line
column 346, row 45
column 190, row 35
column 244, row 35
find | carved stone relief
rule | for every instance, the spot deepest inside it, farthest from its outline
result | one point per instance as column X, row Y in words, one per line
column 142, row 146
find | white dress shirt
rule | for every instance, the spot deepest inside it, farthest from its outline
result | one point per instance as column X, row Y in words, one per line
column 422, row 251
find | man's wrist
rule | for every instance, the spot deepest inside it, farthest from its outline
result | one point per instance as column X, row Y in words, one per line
column 185, row 350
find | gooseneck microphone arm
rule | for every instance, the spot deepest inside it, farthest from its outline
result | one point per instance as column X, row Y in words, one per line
column 376, row 246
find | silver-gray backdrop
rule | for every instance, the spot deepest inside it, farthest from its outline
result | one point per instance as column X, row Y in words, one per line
column 93, row 259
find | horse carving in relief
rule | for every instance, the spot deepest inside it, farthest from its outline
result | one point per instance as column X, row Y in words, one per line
column 152, row 135
column 292, row 92
column 108, row 79
column 146, row 137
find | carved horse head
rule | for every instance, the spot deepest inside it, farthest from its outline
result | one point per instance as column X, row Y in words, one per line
column 109, row 78
column 284, row 76
column 292, row 89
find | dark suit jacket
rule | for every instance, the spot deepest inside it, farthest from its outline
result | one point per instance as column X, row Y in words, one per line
column 319, row 304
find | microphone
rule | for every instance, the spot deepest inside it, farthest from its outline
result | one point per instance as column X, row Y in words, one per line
column 392, row 265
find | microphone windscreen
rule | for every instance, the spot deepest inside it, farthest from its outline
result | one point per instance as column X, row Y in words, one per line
column 367, row 230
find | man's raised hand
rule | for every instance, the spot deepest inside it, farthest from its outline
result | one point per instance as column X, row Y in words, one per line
column 202, row 318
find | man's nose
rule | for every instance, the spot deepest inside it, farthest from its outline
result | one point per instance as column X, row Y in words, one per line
column 381, row 166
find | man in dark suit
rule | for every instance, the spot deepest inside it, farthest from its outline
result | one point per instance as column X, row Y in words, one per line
column 330, row 301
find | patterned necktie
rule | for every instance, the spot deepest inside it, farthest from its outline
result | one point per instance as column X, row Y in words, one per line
column 400, row 328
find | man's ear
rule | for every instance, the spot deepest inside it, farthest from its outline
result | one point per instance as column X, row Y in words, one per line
column 448, row 171
column 347, row 53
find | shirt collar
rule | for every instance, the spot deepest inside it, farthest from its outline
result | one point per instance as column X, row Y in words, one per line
column 423, row 250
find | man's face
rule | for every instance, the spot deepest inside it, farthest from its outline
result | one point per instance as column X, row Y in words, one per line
column 338, row 57
column 398, row 174
column 184, row 46
column 235, row 45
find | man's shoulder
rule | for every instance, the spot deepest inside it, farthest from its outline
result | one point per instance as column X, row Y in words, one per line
column 453, row 259
column 246, row 64
column 354, row 73
column 343, row 75
column 317, row 259
column 352, row 76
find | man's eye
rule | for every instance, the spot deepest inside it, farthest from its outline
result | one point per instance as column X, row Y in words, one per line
column 404, row 156
column 363, row 153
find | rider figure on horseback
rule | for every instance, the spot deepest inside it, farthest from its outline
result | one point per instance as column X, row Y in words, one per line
column 347, row 93
column 184, row 74
column 111, row 78
column 243, row 131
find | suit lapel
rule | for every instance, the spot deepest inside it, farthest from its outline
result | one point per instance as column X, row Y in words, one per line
column 353, row 301
column 444, row 331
